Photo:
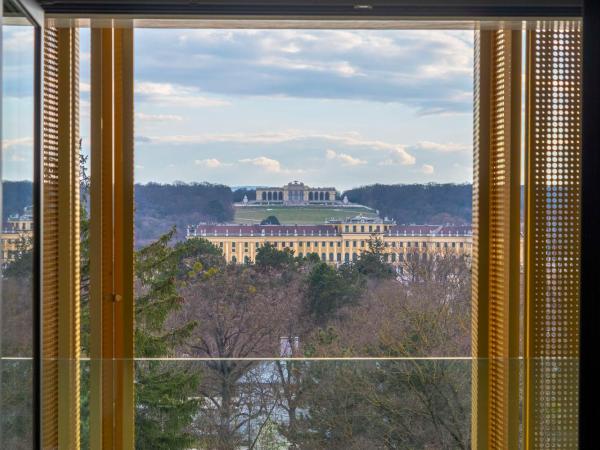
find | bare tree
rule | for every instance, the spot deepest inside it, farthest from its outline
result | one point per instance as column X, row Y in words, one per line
column 241, row 313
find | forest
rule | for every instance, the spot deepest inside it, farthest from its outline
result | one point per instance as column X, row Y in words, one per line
column 417, row 203
column 264, row 329
column 191, row 303
column 16, row 195
column 158, row 207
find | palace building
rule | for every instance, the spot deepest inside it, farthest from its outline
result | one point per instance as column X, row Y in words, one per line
column 296, row 193
column 338, row 242
column 19, row 229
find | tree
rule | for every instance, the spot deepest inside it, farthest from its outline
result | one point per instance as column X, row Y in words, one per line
column 401, row 403
column 242, row 311
column 271, row 220
column 268, row 256
column 329, row 289
column 371, row 262
column 166, row 400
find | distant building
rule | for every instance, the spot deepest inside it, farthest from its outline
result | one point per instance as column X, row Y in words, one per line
column 19, row 229
column 338, row 242
column 296, row 193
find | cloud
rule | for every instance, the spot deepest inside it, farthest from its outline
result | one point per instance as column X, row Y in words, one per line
column 441, row 148
column 395, row 153
column 170, row 94
column 429, row 70
column 210, row 163
column 427, row 169
column 17, row 39
column 270, row 165
column 345, row 159
column 8, row 144
column 158, row 117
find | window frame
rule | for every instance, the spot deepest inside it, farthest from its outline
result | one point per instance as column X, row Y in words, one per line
column 59, row 9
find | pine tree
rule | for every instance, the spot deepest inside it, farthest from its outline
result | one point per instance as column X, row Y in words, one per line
column 166, row 402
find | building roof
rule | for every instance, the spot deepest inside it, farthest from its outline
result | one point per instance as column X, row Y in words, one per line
column 430, row 230
column 264, row 230
column 205, row 230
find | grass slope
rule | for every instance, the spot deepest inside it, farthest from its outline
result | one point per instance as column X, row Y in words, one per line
column 296, row 214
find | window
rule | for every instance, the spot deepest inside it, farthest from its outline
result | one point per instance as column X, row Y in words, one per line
column 17, row 235
column 167, row 105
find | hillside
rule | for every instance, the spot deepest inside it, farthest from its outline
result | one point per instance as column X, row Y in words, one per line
column 296, row 214
column 16, row 195
column 417, row 203
column 160, row 206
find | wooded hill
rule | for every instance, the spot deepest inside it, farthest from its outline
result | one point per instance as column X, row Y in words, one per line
column 16, row 195
column 160, row 206
column 417, row 203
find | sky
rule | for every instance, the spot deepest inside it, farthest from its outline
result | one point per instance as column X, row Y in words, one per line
column 336, row 108
column 17, row 102
column 326, row 107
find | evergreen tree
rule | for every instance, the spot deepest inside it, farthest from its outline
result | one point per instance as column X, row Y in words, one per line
column 329, row 289
column 268, row 256
column 166, row 402
column 371, row 262
column 271, row 220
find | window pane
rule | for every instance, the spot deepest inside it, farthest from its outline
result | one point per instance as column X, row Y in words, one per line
column 317, row 146
column 17, row 230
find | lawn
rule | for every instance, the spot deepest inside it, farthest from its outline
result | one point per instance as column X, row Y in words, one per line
column 296, row 214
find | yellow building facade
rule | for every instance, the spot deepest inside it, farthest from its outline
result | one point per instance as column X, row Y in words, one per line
column 19, row 229
column 339, row 242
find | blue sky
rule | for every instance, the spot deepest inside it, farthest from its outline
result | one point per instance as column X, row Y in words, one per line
column 17, row 103
column 264, row 107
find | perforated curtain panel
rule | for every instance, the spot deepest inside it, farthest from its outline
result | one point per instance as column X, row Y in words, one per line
column 60, row 240
column 50, row 244
column 496, row 191
column 553, row 236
